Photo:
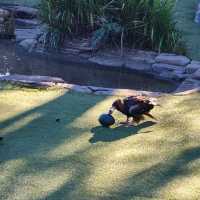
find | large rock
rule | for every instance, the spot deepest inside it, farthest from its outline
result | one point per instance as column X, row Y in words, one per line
column 187, row 86
column 28, row 44
column 31, row 79
column 160, row 67
column 140, row 56
column 138, row 66
column 166, row 75
column 1, row 20
column 27, row 22
column 4, row 13
column 193, row 67
column 196, row 75
column 23, row 12
column 179, row 75
column 172, row 59
column 110, row 61
column 22, row 34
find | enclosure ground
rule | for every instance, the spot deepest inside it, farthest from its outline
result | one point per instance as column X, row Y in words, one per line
column 75, row 158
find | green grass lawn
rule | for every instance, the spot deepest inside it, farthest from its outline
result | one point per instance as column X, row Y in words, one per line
column 77, row 159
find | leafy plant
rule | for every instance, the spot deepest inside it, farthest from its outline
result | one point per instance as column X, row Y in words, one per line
column 145, row 24
column 107, row 30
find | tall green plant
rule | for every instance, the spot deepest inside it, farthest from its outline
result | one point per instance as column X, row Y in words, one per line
column 146, row 24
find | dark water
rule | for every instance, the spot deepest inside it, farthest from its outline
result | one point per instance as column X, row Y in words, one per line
column 15, row 60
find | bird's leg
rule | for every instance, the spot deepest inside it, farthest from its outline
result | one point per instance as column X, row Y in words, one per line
column 127, row 122
column 134, row 122
column 151, row 116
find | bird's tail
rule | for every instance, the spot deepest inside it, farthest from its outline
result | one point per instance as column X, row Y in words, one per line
column 138, row 119
column 150, row 115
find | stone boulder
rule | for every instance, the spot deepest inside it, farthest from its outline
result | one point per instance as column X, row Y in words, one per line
column 109, row 61
column 188, row 85
column 193, row 67
column 32, row 80
column 23, row 34
column 179, row 75
column 138, row 65
column 27, row 22
column 172, row 59
column 196, row 75
column 160, row 67
column 28, row 44
column 4, row 13
column 23, row 12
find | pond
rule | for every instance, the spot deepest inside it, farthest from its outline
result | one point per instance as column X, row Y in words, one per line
column 17, row 61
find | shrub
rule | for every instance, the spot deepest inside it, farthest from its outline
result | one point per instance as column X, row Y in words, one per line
column 145, row 24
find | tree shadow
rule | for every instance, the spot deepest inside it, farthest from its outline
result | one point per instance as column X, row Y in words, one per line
column 44, row 133
column 149, row 181
column 33, row 140
column 31, row 145
column 101, row 134
column 144, row 184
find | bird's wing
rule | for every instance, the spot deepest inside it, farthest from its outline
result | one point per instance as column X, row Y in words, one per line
column 138, row 99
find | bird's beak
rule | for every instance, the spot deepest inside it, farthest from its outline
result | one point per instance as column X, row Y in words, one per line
column 155, row 102
column 111, row 110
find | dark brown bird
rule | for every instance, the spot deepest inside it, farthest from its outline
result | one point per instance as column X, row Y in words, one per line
column 135, row 107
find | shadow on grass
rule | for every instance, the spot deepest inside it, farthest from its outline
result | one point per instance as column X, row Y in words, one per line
column 44, row 133
column 33, row 141
column 102, row 134
column 150, row 181
column 145, row 184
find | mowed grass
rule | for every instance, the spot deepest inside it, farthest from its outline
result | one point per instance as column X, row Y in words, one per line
column 77, row 159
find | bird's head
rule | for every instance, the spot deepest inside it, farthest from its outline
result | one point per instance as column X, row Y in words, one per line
column 154, row 101
column 117, row 105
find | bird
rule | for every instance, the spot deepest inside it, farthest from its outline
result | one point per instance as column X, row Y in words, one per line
column 135, row 107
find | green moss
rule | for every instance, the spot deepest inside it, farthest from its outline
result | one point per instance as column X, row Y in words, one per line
column 76, row 159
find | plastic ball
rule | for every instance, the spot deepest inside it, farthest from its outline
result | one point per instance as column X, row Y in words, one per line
column 106, row 120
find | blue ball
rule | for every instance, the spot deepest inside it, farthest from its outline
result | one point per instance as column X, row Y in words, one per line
column 106, row 120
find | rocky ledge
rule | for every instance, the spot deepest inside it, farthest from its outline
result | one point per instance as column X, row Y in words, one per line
column 44, row 82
